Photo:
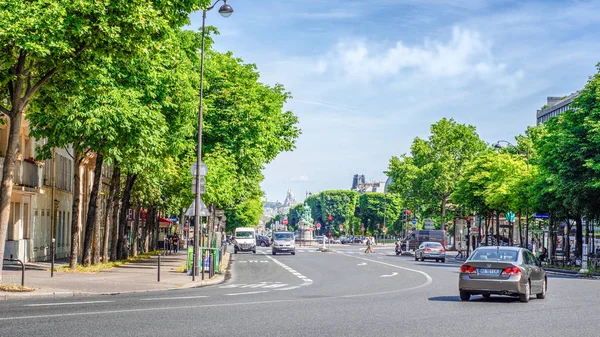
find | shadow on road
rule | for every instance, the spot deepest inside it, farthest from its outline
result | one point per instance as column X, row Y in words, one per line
column 437, row 264
column 475, row 298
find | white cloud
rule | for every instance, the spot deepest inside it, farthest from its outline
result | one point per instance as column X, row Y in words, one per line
column 466, row 55
column 302, row 178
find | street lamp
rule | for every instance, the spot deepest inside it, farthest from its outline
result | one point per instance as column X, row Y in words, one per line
column 225, row 10
column 527, row 155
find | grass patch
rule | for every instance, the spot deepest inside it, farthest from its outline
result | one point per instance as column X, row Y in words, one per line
column 15, row 289
column 104, row 266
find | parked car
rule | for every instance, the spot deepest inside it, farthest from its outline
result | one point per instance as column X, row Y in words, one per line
column 430, row 251
column 263, row 241
column 358, row 240
column 496, row 270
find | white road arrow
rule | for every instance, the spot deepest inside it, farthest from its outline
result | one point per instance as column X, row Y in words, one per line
column 362, row 264
column 393, row 274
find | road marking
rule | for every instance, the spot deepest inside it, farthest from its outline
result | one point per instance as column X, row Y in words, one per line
column 362, row 264
column 393, row 274
column 427, row 277
column 171, row 298
column 63, row 303
column 255, row 285
column 305, row 281
column 202, row 306
column 248, row 293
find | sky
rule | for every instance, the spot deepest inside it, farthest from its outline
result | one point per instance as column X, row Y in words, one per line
column 367, row 77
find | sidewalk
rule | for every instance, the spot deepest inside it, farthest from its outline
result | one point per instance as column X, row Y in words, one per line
column 141, row 276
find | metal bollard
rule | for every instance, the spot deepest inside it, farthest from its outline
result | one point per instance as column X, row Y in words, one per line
column 22, row 269
column 158, row 268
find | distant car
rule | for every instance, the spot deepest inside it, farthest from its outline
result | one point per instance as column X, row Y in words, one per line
column 263, row 241
column 358, row 240
column 335, row 241
column 496, row 270
column 283, row 242
column 430, row 251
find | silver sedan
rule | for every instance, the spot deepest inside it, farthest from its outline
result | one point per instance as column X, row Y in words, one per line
column 510, row 271
column 430, row 251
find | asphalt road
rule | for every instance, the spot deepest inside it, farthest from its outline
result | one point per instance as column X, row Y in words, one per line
column 347, row 293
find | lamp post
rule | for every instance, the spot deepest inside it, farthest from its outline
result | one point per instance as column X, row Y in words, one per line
column 225, row 10
column 526, row 154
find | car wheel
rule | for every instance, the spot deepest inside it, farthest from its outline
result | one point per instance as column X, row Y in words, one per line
column 235, row 251
column 416, row 258
column 422, row 259
column 263, row 244
column 464, row 296
column 525, row 297
column 437, row 260
column 293, row 253
column 542, row 295
column 486, row 295
column 443, row 260
column 274, row 253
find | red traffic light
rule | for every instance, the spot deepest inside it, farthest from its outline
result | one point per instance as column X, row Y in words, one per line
column 408, row 212
column 329, row 217
column 468, row 221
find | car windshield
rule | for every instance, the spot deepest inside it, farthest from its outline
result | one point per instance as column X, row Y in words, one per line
column 244, row 235
column 284, row 236
column 495, row 255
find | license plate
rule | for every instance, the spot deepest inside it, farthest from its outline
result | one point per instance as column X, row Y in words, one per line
column 485, row 271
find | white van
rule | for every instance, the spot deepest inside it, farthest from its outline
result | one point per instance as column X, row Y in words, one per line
column 244, row 240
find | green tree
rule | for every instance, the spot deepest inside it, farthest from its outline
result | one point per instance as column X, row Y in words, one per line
column 340, row 205
column 63, row 33
column 379, row 208
column 430, row 174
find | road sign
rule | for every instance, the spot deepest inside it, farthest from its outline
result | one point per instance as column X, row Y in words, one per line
column 510, row 216
column 203, row 169
column 362, row 229
column 285, row 221
column 318, row 225
column 185, row 228
column 341, row 227
column 541, row 216
column 191, row 211
column 202, row 185
column 414, row 221
column 384, row 229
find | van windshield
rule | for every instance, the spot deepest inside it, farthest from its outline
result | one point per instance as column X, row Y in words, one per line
column 244, row 235
column 284, row 236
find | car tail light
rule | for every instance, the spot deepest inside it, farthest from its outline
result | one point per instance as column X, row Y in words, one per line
column 427, row 249
column 442, row 250
column 468, row 269
column 511, row 271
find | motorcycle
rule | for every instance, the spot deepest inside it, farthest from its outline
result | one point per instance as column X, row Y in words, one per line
column 398, row 249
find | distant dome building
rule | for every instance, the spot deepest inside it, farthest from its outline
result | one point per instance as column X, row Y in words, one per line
column 290, row 200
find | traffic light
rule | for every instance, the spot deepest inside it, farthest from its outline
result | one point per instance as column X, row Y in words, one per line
column 469, row 222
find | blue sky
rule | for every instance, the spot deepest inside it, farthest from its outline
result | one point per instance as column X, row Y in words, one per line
column 367, row 77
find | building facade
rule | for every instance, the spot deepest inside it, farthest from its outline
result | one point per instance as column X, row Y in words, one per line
column 360, row 185
column 555, row 106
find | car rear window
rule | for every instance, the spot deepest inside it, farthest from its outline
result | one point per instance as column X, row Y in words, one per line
column 495, row 255
column 433, row 245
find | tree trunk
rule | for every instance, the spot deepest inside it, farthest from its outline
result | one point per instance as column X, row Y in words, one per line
column 96, row 248
column 498, row 228
column 578, row 236
column 123, row 251
column 136, row 226
column 7, row 174
column 75, row 228
column 116, row 197
column 91, row 216
column 146, row 232
column 108, row 216
column 520, row 230
column 150, row 227
column 443, row 211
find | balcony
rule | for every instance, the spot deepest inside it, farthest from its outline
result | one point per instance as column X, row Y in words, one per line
column 26, row 174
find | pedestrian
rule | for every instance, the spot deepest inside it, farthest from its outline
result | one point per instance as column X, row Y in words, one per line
column 369, row 248
column 176, row 243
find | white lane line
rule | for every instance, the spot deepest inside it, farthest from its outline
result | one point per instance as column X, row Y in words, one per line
column 393, row 274
column 427, row 277
column 63, row 303
column 360, row 264
column 248, row 293
column 305, row 281
column 171, row 298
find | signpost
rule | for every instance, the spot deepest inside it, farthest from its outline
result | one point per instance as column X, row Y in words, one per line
column 541, row 216
column 341, row 227
column 414, row 221
column 428, row 224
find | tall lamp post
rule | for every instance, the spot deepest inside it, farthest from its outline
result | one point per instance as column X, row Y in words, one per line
column 526, row 154
column 225, row 10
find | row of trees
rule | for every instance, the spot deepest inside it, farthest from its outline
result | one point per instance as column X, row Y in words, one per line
column 552, row 168
column 119, row 82
column 351, row 211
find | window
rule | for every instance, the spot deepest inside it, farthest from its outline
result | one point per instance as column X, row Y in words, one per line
column 527, row 258
column 495, row 254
